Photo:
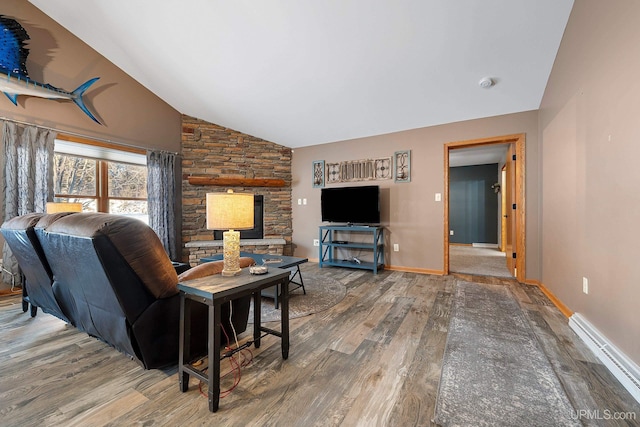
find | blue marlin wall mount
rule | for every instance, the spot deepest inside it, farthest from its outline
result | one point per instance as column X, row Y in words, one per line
column 14, row 78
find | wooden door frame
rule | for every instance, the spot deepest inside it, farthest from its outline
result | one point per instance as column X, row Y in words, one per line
column 518, row 141
column 503, row 209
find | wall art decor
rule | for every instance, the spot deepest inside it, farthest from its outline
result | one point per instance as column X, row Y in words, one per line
column 15, row 78
column 402, row 166
column 333, row 173
column 383, row 168
column 359, row 170
column 318, row 173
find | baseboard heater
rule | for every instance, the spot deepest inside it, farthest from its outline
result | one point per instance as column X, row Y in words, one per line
column 623, row 368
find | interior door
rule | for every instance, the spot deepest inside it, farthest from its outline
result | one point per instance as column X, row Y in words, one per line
column 509, row 188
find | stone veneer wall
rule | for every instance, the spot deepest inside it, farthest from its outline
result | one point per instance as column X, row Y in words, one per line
column 217, row 152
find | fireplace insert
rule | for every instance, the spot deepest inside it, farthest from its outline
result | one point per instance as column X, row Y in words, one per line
column 257, row 232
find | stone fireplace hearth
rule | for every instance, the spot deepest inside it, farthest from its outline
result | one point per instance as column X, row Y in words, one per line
column 199, row 249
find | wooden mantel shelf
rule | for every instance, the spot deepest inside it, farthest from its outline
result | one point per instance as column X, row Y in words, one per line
column 236, row 182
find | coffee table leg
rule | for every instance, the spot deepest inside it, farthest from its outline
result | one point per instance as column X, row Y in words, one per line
column 214, row 357
column 184, row 350
column 299, row 273
column 257, row 301
column 284, row 315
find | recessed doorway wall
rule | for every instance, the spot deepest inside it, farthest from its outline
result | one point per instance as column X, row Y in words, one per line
column 515, row 225
column 474, row 202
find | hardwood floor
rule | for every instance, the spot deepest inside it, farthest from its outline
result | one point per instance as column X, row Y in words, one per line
column 373, row 359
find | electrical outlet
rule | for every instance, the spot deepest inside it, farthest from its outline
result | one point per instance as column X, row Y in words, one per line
column 585, row 285
column 396, row 247
column 316, row 242
column 450, row 232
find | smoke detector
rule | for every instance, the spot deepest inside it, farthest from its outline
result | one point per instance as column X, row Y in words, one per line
column 486, row 82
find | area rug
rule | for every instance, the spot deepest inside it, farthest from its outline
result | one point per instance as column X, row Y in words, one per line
column 477, row 260
column 322, row 294
column 494, row 371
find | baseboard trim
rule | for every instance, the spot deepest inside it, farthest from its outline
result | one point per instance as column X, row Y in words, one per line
column 403, row 269
column 559, row 304
column 414, row 270
column 9, row 292
column 623, row 368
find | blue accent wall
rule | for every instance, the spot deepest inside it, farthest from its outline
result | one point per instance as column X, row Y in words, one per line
column 473, row 204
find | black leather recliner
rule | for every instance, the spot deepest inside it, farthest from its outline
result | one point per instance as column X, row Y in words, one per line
column 110, row 276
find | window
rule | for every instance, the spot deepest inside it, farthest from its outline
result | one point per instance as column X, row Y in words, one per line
column 103, row 179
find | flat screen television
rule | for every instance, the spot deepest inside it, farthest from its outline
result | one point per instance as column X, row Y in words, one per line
column 351, row 205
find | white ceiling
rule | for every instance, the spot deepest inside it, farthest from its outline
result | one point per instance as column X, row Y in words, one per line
column 303, row 72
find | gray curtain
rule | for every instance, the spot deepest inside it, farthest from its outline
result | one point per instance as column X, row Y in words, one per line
column 161, row 194
column 27, row 178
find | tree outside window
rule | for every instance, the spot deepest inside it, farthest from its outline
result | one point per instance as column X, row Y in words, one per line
column 101, row 185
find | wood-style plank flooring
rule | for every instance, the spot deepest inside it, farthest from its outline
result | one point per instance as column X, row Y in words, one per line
column 372, row 360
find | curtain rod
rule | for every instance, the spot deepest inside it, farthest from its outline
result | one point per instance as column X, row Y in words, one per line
column 79, row 135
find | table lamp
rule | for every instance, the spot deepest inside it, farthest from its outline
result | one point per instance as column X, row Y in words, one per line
column 55, row 207
column 230, row 211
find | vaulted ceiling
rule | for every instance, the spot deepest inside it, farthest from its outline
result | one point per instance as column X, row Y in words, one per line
column 303, row 72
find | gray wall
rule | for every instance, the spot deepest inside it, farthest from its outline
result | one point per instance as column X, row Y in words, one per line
column 590, row 199
column 473, row 204
column 413, row 219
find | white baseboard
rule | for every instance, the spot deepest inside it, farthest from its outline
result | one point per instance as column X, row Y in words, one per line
column 623, row 368
column 485, row 245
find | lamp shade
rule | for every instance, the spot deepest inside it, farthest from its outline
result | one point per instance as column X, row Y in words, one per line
column 55, row 207
column 229, row 211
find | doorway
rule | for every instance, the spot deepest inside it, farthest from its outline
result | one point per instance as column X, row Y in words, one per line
column 512, row 188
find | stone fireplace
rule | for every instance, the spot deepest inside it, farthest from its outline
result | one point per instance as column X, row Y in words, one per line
column 242, row 162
